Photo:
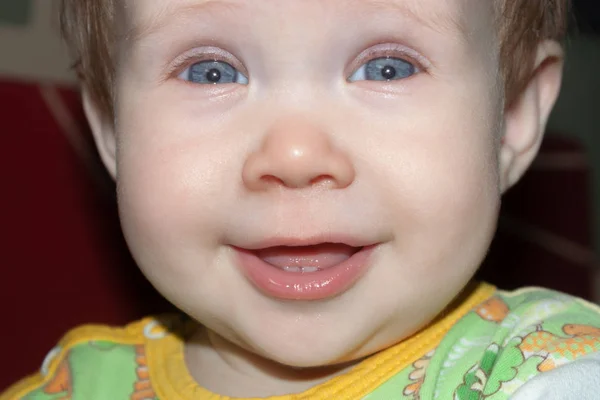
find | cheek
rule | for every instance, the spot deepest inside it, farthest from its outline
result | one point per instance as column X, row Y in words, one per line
column 442, row 193
column 457, row 175
column 440, row 170
column 172, row 175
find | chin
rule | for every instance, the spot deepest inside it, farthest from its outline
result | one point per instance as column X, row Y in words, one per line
column 310, row 349
column 310, row 359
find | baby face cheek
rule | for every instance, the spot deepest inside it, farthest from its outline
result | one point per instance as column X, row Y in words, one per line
column 170, row 173
column 168, row 195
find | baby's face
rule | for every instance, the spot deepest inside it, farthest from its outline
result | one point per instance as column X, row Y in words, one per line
column 312, row 180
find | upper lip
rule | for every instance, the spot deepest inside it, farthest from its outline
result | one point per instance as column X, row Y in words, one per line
column 348, row 240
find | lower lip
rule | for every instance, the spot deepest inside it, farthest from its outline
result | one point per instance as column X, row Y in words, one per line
column 318, row 285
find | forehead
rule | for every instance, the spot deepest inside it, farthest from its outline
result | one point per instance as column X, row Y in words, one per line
column 458, row 17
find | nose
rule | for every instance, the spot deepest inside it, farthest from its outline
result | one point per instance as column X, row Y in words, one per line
column 296, row 154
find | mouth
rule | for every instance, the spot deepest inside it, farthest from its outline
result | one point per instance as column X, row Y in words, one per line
column 307, row 272
column 307, row 259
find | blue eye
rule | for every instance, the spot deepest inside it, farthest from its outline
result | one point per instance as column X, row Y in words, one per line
column 384, row 69
column 212, row 73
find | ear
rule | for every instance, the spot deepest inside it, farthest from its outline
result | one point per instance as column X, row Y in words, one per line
column 525, row 120
column 103, row 131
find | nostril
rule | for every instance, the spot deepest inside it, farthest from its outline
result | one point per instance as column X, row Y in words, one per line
column 322, row 180
column 272, row 180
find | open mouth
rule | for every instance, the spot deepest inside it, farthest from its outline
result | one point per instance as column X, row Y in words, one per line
column 307, row 259
column 309, row 272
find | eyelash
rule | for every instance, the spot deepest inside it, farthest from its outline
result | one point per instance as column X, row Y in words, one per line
column 392, row 51
column 372, row 53
column 195, row 56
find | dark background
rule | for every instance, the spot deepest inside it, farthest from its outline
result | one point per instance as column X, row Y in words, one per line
column 587, row 14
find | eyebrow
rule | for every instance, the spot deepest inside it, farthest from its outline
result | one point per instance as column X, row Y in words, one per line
column 170, row 14
column 436, row 20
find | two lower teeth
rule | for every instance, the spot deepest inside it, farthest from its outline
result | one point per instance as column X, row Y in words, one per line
column 301, row 269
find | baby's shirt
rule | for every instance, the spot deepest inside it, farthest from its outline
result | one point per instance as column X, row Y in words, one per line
column 525, row 345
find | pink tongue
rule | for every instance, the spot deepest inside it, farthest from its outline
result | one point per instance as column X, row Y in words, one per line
column 321, row 256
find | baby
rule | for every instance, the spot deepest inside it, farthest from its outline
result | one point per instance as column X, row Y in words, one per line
column 314, row 184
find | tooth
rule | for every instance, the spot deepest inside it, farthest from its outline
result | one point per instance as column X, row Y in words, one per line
column 300, row 269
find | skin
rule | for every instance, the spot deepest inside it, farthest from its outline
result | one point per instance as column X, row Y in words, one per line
column 417, row 165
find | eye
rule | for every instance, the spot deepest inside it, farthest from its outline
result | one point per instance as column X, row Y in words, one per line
column 212, row 73
column 384, row 69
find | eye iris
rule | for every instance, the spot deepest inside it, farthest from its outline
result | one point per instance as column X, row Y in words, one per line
column 213, row 75
column 388, row 72
column 384, row 69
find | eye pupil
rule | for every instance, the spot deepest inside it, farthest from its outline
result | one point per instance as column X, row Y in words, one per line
column 213, row 75
column 388, row 72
